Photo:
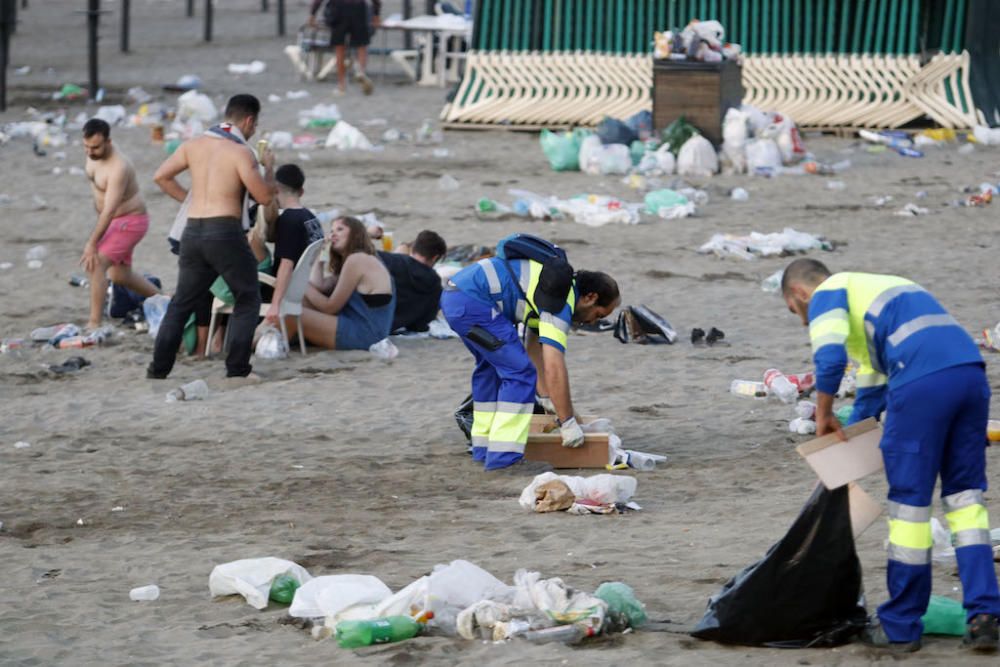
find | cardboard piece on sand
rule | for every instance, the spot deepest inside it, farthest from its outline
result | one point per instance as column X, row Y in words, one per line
column 864, row 509
column 837, row 463
column 548, row 447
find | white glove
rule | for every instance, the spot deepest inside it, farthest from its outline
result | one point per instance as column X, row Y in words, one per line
column 546, row 404
column 572, row 434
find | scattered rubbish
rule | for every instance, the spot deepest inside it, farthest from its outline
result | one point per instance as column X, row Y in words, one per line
column 835, row 185
column 668, row 204
column 55, row 333
column 355, row 634
column 69, row 366
column 441, row 152
column 197, row 106
column 748, row 388
column 192, row 391
column 112, row 115
column 319, row 116
column 391, row 135
column 280, row 140
column 252, row 578
column 824, row 169
column 911, row 210
column 144, row 593
column 763, row 157
column 600, row 494
column 624, row 609
column 23, row 71
column 117, row 508
column 563, row 148
column 697, row 158
column 881, row 200
column 802, row 426
column 274, row 99
column 700, row 40
column 38, row 252
column 330, row 595
column 154, row 308
column 739, row 194
column 772, row 284
column 9, row 345
column 346, row 137
column 640, row 324
column 21, row 444
column 987, row 136
column 137, row 95
column 780, row 386
column 596, row 158
column 283, row 588
column 69, row 92
column 758, row 607
column 296, row 94
column 426, row 134
column 272, row 344
column 843, row 413
column 254, row 67
column 448, row 183
column 764, row 245
column 384, row 350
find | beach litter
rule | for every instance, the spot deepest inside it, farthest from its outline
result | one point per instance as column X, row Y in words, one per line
column 757, row 244
column 911, row 211
column 254, row 67
column 71, row 365
column 21, row 444
column 252, row 578
column 195, row 390
column 599, row 494
column 346, row 137
column 144, row 593
column 319, row 116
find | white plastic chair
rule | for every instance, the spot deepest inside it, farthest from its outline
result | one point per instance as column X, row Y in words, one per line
column 291, row 303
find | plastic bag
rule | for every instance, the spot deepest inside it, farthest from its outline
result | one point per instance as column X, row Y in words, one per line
column 272, row 345
column 154, row 308
column 641, row 124
column 613, row 131
column 112, row 115
column 330, row 595
column 786, row 135
column 668, row 204
column 763, row 155
column 624, row 609
column 346, row 137
column 803, row 593
column 252, row 577
column 557, row 600
column 678, row 133
column 637, row 150
column 614, row 159
column 588, row 160
column 734, row 141
column 195, row 105
column 697, row 157
column 563, row 148
column 602, row 489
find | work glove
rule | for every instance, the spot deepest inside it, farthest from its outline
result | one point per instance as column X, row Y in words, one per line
column 546, row 404
column 572, row 434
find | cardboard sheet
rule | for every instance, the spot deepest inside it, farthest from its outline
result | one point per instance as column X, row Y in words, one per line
column 864, row 509
column 838, row 463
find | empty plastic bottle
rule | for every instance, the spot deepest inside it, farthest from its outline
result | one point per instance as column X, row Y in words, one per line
column 192, row 391
column 144, row 593
column 354, row 634
column 564, row 634
column 779, row 385
column 283, row 588
column 640, row 461
column 748, row 388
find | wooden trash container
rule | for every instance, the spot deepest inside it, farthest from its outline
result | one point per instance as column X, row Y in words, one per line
column 701, row 92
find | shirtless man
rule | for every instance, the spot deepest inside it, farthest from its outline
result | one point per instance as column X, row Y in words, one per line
column 223, row 171
column 121, row 220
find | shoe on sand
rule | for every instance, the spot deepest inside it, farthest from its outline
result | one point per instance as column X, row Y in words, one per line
column 982, row 634
column 874, row 635
column 366, row 84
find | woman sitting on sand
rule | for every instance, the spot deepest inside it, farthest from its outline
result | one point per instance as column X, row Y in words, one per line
column 353, row 308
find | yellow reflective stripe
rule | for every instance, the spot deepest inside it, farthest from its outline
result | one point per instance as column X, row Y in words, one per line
column 510, row 428
column 973, row 517
column 547, row 330
column 831, row 322
column 910, row 534
column 869, row 380
column 482, row 422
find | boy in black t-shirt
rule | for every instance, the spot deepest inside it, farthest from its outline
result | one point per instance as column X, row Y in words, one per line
column 295, row 229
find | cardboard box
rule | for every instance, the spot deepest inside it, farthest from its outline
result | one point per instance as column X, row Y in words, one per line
column 864, row 509
column 542, row 446
column 838, row 463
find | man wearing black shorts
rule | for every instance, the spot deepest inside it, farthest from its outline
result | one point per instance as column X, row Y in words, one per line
column 350, row 25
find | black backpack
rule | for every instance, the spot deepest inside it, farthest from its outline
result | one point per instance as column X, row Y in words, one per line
column 556, row 279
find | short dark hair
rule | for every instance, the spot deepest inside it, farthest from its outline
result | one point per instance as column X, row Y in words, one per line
column 804, row 271
column 242, row 106
column 290, row 176
column 601, row 284
column 96, row 126
column 430, row 245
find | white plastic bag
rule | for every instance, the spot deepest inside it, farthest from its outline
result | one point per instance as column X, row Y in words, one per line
column 786, row 135
column 602, row 489
column 346, row 137
column 763, row 154
column 195, row 105
column 252, row 577
column 112, row 115
column 153, row 309
column 614, row 159
column 986, row 136
column 558, row 601
column 461, row 584
column 272, row 345
column 697, row 157
column 734, row 141
column 590, row 149
column 280, row 140
column 330, row 595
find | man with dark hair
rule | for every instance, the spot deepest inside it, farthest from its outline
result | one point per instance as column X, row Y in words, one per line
column 295, row 229
column 418, row 286
column 121, row 220
column 224, row 173
column 484, row 303
column 920, row 366
column 351, row 23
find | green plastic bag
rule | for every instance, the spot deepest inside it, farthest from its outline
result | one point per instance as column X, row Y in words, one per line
column 624, row 610
column 563, row 148
column 283, row 588
column 843, row 413
column 677, row 133
column 658, row 199
column 637, row 150
column 944, row 617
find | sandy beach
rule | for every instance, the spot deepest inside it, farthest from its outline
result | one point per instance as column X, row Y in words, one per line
column 345, row 464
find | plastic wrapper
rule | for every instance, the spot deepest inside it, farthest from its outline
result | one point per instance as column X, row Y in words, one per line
column 271, row 345
column 328, row 596
column 604, row 489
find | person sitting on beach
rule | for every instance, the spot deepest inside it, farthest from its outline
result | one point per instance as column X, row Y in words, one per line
column 122, row 220
column 351, row 309
column 418, row 286
column 295, row 229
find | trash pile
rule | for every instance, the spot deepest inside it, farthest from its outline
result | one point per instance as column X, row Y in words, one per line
column 600, row 494
column 702, row 41
column 793, row 390
column 455, row 599
column 756, row 244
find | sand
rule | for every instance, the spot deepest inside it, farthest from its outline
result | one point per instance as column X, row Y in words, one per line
column 347, row 465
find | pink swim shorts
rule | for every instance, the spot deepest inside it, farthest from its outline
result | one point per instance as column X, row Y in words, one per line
column 122, row 236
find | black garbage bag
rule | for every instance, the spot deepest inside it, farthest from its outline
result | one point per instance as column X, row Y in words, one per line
column 463, row 415
column 804, row 593
column 613, row 131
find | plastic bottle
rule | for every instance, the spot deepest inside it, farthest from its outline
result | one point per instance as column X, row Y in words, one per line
column 79, row 281
column 355, row 634
column 154, row 308
column 283, row 588
column 564, row 634
column 803, row 381
column 993, row 430
column 748, row 388
column 62, row 333
column 640, row 461
column 944, row 617
column 192, row 391
column 779, row 385
column 145, row 593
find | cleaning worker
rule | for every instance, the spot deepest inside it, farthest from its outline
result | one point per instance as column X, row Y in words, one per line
column 530, row 282
column 920, row 366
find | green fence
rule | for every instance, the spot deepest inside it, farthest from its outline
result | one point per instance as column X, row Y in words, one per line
column 760, row 26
